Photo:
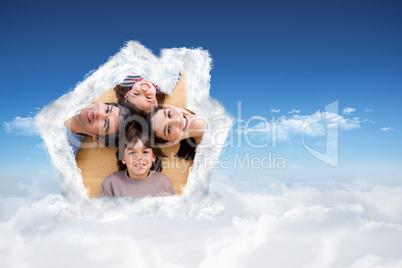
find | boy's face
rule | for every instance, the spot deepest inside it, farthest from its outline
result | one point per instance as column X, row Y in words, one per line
column 138, row 160
column 99, row 119
column 142, row 96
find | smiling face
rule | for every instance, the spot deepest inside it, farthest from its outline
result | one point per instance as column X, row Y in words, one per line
column 143, row 96
column 98, row 119
column 138, row 159
column 172, row 124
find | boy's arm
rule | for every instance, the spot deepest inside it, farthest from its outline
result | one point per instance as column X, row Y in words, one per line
column 106, row 189
column 169, row 186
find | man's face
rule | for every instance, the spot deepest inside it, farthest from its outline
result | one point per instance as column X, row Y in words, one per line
column 99, row 119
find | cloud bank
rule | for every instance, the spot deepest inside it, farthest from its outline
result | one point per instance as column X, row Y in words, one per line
column 266, row 223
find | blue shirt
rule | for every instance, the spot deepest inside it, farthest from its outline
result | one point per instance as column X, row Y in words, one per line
column 75, row 140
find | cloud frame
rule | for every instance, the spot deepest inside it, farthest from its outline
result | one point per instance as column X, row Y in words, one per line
column 196, row 201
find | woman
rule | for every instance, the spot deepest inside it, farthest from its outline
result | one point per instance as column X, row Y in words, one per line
column 172, row 125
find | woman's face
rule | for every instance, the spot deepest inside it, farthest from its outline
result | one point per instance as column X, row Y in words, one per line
column 172, row 124
column 142, row 96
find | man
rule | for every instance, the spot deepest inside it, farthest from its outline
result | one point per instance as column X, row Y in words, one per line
column 97, row 120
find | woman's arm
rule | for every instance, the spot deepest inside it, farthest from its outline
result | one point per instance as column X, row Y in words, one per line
column 178, row 97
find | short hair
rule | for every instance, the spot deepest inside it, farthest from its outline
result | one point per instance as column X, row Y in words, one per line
column 136, row 132
column 111, row 139
column 187, row 146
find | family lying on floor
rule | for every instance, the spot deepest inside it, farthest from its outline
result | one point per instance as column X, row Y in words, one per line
column 136, row 124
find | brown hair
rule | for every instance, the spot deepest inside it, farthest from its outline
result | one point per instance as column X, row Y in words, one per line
column 134, row 133
column 187, row 146
column 121, row 92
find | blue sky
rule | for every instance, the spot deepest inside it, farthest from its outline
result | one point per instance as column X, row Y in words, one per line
column 276, row 55
column 283, row 60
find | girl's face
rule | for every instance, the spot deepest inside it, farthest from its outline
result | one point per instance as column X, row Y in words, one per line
column 138, row 160
column 172, row 124
column 142, row 96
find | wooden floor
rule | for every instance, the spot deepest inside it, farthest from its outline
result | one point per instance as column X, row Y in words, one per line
column 96, row 162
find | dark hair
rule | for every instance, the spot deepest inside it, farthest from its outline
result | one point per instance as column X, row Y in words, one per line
column 187, row 146
column 135, row 133
column 121, row 92
column 111, row 139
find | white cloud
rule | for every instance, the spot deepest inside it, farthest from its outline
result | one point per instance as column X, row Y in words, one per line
column 368, row 110
column 348, row 111
column 373, row 261
column 386, row 129
column 287, row 127
column 21, row 126
column 368, row 121
column 12, row 186
column 341, row 226
column 275, row 110
column 294, row 111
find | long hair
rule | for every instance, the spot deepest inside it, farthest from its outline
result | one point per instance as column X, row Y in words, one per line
column 187, row 146
column 121, row 92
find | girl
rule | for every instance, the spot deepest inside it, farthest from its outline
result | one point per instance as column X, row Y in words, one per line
column 172, row 125
column 140, row 166
column 140, row 95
